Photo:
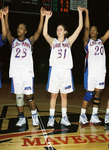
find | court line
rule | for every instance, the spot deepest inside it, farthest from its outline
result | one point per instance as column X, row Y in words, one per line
column 77, row 106
column 42, row 129
column 44, row 133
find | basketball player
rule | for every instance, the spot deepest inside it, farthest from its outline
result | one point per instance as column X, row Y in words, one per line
column 2, row 36
column 60, row 77
column 95, row 70
column 21, row 67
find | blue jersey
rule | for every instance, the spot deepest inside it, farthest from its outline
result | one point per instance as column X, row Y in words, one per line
column 2, row 42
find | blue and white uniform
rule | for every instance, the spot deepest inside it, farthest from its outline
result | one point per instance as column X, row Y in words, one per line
column 95, row 65
column 1, row 44
column 21, row 67
column 60, row 75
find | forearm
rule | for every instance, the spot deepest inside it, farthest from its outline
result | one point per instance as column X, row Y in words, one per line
column 9, row 36
column 6, row 23
column 38, row 32
column 40, row 25
column 108, row 33
column 45, row 28
column 74, row 36
column 48, row 38
column 105, row 37
column 87, row 22
column 80, row 21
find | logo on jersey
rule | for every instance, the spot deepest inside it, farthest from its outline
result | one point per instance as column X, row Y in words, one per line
column 102, row 83
column 67, row 87
column 28, row 88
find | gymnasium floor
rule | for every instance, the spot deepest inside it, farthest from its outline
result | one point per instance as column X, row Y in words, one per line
column 75, row 137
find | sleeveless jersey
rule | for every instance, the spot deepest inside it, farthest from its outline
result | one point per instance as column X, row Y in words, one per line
column 21, row 62
column 61, row 55
column 95, row 61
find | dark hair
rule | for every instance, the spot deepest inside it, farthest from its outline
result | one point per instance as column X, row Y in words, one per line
column 65, row 29
column 26, row 34
column 95, row 27
column 24, row 25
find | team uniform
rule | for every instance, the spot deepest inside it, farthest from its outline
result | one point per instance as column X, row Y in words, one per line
column 60, row 75
column 21, row 67
column 1, row 44
column 94, row 77
column 95, row 65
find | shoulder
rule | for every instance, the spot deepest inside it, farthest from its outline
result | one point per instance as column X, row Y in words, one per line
column 88, row 42
column 28, row 39
column 100, row 39
column 66, row 39
column 55, row 40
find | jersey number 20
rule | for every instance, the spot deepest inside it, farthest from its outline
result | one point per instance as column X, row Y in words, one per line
column 99, row 50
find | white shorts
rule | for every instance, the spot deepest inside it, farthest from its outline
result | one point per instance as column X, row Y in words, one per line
column 60, row 80
column 92, row 81
column 22, row 85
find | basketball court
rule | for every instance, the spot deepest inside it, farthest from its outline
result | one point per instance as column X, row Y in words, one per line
column 75, row 137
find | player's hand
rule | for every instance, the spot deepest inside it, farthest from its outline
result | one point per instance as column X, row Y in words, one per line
column 44, row 11
column 49, row 14
column 6, row 10
column 80, row 8
column 85, row 9
column 1, row 14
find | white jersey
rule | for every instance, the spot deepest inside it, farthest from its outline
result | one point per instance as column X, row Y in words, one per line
column 21, row 62
column 61, row 55
column 95, row 61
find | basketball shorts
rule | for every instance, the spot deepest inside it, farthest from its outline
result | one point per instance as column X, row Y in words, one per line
column 22, row 85
column 60, row 80
column 92, row 81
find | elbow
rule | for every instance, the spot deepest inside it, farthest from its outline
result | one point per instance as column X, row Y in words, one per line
column 44, row 34
column 80, row 27
column 4, row 36
column 108, row 33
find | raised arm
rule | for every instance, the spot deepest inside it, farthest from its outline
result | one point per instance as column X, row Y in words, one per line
column 45, row 29
column 3, row 25
column 38, row 32
column 74, row 36
column 87, row 27
column 105, row 37
column 9, row 36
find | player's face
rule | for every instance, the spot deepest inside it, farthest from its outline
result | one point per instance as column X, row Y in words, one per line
column 60, row 31
column 93, row 32
column 21, row 30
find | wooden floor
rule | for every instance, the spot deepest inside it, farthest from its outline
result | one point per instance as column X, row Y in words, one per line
column 75, row 137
